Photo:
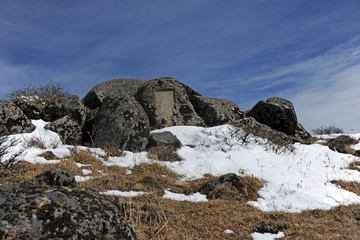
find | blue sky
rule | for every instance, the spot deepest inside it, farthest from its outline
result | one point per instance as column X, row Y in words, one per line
column 303, row 50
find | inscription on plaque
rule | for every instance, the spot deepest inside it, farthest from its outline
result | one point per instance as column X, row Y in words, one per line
column 164, row 103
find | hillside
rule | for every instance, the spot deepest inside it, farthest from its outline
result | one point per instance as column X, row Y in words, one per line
column 174, row 165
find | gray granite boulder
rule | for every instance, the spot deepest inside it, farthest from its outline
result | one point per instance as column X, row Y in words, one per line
column 40, row 211
column 166, row 101
column 68, row 105
column 279, row 114
column 68, row 130
column 216, row 111
column 121, row 122
column 13, row 120
column 166, row 139
column 30, row 109
column 112, row 88
column 74, row 108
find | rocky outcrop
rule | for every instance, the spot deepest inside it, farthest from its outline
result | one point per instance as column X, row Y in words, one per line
column 251, row 126
column 216, row 111
column 30, row 109
column 342, row 144
column 279, row 114
column 13, row 120
column 164, row 139
column 74, row 108
column 68, row 130
column 41, row 211
column 113, row 88
column 121, row 122
column 167, row 103
column 66, row 106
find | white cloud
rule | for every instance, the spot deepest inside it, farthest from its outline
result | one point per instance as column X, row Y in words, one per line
column 325, row 89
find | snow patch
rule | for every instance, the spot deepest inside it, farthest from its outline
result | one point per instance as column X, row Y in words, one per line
column 123, row 194
column 196, row 197
column 267, row 236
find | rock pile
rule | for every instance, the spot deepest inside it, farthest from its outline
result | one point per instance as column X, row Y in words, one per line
column 121, row 112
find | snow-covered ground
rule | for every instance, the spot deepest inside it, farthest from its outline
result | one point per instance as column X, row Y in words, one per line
column 295, row 179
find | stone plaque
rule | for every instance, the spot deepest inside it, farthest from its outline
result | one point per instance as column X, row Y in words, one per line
column 164, row 103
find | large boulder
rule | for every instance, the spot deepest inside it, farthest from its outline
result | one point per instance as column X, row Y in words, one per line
column 121, row 122
column 279, row 114
column 68, row 130
column 30, row 109
column 167, row 103
column 113, row 88
column 216, row 111
column 68, row 105
column 41, row 211
column 13, row 120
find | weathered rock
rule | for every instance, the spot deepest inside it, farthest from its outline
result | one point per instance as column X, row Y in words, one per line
column 121, row 122
column 251, row 126
column 167, row 103
column 357, row 153
column 13, row 120
column 73, row 107
column 113, row 88
column 216, row 111
column 52, row 112
column 166, row 139
column 56, row 178
column 279, row 114
column 342, row 144
column 30, row 109
column 68, row 105
column 68, row 130
column 31, row 211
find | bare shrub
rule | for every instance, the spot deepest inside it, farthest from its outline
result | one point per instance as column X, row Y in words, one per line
column 41, row 94
column 327, row 130
column 163, row 153
column 8, row 158
column 36, row 142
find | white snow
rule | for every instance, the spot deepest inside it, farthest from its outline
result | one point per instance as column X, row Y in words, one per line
column 267, row 236
column 196, row 197
column 294, row 179
column 86, row 171
column 228, row 231
column 123, row 194
column 82, row 179
column 356, row 146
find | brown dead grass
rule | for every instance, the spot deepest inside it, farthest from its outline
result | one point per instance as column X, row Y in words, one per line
column 153, row 217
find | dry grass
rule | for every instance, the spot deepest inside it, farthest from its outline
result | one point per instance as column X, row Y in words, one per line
column 153, row 217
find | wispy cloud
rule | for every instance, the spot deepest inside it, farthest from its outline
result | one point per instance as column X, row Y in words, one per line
column 325, row 89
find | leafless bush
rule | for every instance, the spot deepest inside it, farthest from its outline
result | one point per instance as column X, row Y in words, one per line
column 8, row 158
column 327, row 130
column 163, row 153
column 41, row 94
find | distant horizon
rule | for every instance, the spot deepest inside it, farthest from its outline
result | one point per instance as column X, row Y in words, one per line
column 307, row 52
